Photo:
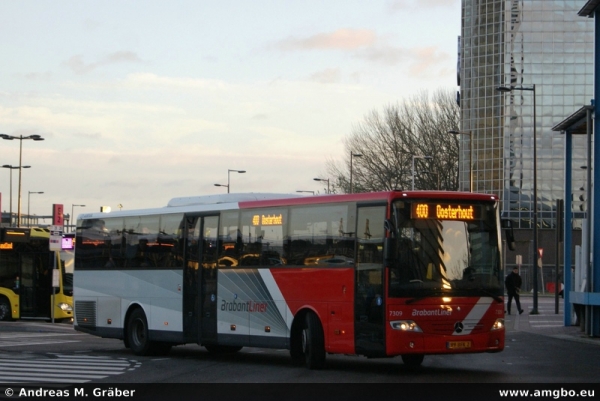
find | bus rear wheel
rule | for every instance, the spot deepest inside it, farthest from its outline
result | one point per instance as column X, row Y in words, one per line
column 137, row 333
column 5, row 309
column 313, row 342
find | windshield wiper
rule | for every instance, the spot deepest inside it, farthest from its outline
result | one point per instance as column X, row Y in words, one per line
column 491, row 294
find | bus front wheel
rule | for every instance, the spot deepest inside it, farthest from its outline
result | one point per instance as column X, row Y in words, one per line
column 5, row 309
column 313, row 342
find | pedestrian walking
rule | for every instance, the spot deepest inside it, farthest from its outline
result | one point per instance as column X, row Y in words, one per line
column 513, row 287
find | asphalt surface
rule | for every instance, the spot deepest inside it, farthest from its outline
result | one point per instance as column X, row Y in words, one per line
column 546, row 322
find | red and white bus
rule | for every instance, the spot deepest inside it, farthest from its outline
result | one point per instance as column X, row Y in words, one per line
column 374, row 274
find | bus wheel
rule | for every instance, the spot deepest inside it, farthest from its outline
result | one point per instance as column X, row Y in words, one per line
column 137, row 332
column 5, row 309
column 296, row 351
column 413, row 360
column 313, row 343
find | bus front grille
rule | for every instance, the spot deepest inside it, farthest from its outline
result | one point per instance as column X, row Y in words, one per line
column 85, row 313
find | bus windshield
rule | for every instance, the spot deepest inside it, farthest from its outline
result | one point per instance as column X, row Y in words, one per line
column 445, row 249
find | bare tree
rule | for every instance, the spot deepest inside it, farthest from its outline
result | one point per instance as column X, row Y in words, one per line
column 388, row 141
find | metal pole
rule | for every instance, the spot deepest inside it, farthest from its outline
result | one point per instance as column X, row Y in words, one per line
column 11, row 196
column 20, row 169
column 350, row 171
column 535, row 209
column 559, row 229
column 413, row 173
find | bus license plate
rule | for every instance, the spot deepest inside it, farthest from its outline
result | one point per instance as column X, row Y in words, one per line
column 458, row 344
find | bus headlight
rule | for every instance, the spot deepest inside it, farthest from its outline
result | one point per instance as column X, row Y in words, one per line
column 406, row 325
column 65, row 307
column 498, row 324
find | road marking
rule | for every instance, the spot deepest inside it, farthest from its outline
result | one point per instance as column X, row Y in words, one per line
column 27, row 339
column 61, row 368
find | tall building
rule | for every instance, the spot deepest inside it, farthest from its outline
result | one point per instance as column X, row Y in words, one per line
column 523, row 44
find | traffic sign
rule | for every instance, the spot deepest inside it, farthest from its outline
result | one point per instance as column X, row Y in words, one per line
column 56, row 242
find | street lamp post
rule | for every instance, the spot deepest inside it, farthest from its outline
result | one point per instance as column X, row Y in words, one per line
column 228, row 178
column 10, row 194
column 413, row 167
column 454, row 132
column 28, row 199
column 506, row 89
column 72, row 215
column 352, row 154
column 20, row 138
column 324, row 180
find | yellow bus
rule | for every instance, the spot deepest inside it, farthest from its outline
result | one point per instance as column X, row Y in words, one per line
column 27, row 287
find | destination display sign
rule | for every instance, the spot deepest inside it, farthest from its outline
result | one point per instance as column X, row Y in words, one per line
column 268, row 220
column 445, row 211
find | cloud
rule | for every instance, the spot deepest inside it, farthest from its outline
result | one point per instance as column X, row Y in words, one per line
column 427, row 60
column 77, row 65
column 342, row 39
column 386, row 55
column 420, row 61
column 39, row 76
column 328, row 76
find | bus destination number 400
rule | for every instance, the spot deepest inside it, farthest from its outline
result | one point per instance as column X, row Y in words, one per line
column 438, row 211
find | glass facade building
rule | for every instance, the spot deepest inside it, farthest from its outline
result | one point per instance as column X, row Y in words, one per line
column 519, row 44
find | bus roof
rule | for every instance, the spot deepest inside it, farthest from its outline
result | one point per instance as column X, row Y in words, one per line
column 371, row 196
column 226, row 198
column 250, row 200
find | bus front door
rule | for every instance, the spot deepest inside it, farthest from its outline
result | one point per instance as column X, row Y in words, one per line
column 208, row 280
column 369, row 302
column 200, row 279
column 35, row 285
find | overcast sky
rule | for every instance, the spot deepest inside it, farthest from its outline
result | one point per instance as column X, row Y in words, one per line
column 143, row 101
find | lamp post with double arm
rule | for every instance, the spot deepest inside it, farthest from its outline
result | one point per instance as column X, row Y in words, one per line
column 228, row 178
column 20, row 138
column 11, row 186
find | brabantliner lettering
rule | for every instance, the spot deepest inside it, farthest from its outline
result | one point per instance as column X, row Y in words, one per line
column 248, row 306
column 435, row 312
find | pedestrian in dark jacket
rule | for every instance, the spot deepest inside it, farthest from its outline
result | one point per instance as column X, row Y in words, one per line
column 513, row 287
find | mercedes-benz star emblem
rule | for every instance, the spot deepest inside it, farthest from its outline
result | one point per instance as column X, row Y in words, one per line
column 458, row 327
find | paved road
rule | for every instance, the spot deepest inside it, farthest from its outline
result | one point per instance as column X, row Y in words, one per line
column 539, row 349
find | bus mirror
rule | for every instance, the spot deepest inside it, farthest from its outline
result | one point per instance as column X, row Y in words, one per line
column 388, row 225
column 389, row 251
column 510, row 234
